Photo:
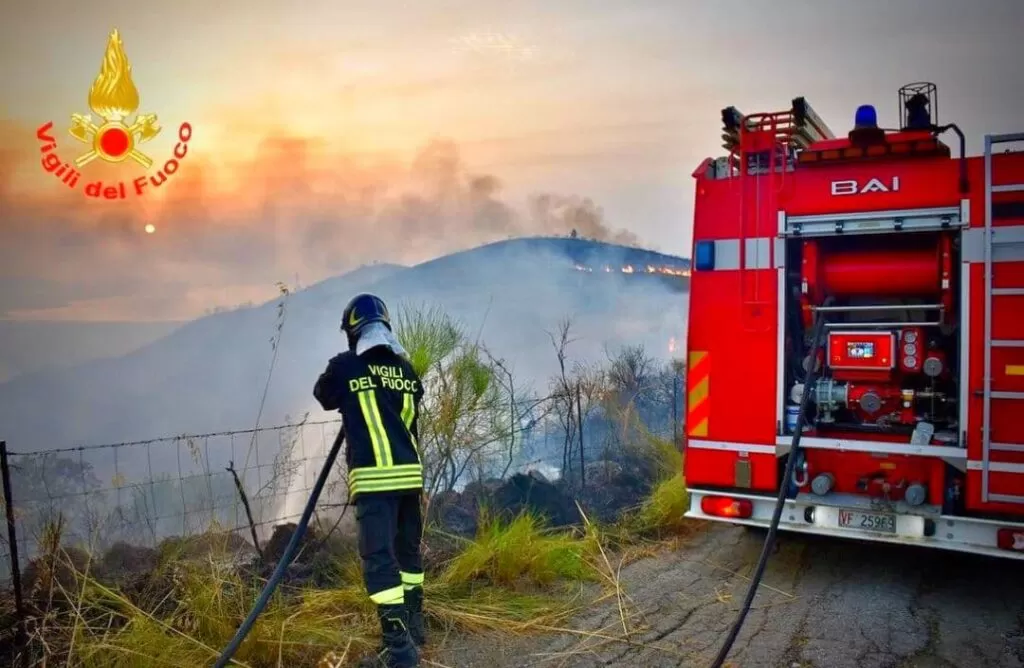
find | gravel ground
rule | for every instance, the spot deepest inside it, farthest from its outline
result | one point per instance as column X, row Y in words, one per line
column 824, row 603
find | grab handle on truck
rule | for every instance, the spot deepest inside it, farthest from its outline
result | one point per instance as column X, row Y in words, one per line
column 803, row 472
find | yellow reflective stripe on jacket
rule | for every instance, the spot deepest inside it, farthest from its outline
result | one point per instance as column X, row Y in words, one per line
column 374, row 424
column 390, row 485
column 394, row 471
column 408, row 415
column 393, row 478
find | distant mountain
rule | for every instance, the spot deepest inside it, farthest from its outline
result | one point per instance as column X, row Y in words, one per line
column 30, row 346
column 209, row 375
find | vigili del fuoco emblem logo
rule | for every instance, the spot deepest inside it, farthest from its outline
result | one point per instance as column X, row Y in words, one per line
column 115, row 137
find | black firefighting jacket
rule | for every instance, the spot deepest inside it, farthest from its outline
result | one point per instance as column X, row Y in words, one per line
column 378, row 395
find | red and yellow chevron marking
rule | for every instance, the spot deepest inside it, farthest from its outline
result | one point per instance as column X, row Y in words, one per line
column 698, row 385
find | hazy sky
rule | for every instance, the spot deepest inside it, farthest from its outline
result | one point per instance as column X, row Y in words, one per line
column 332, row 133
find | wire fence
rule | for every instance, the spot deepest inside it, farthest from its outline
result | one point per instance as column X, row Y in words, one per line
column 242, row 483
column 143, row 493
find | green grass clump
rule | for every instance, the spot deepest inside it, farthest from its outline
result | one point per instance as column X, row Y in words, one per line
column 523, row 551
column 661, row 513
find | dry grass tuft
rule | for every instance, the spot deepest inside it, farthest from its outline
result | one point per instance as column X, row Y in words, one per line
column 503, row 581
column 516, row 577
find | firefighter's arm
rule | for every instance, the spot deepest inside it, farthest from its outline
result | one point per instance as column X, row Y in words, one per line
column 331, row 386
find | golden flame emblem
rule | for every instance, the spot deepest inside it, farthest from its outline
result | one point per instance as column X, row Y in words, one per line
column 114, row 97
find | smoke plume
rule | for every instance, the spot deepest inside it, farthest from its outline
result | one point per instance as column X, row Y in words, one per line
column 228, row 228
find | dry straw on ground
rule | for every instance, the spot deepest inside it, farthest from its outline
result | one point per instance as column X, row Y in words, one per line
column 515, row 578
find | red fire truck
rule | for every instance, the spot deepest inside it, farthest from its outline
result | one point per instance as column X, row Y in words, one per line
column 907, row 259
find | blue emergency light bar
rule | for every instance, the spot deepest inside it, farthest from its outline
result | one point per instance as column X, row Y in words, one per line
column 866, row 117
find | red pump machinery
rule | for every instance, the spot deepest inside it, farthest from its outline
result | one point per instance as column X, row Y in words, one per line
column 913, row 258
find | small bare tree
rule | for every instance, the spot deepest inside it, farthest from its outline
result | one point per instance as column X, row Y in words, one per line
column 525, row 410
column 563, row 394
column 576, row 390
column 629, row 375
column 590, row 386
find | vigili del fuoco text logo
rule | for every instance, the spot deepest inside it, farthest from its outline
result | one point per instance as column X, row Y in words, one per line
column 114, row 98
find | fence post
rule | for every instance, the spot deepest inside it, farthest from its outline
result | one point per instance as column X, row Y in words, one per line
column 675, row 408
column 12, row 537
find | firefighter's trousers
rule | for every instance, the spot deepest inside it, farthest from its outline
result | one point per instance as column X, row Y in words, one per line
column 390, row 529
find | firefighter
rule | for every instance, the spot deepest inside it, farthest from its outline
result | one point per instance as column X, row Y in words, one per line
column 378, row 394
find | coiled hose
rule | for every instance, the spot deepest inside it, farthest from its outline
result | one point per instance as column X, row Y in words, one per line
column 780, row 502
column 286, row 558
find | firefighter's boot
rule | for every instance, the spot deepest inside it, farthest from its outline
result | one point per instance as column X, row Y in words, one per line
column 417, row 623
column 397, row 649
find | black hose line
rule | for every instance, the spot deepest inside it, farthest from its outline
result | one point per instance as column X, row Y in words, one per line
column 780, row 502
column 286, row 558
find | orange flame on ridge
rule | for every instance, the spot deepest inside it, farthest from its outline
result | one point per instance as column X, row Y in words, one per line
column 630, row 269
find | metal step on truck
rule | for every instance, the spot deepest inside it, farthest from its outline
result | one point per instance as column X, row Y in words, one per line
column 908, row 254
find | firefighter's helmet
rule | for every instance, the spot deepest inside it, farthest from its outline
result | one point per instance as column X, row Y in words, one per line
column 360, row 312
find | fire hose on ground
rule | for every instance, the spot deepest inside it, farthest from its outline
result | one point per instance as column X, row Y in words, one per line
column 780, row 502
column 286, row 558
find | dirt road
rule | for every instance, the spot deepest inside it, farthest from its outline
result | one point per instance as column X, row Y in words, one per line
column 823, row 603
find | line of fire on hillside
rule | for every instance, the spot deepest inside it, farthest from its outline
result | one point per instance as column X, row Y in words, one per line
column 630, row 269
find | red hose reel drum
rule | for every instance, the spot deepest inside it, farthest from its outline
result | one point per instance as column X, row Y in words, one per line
column 881, row 272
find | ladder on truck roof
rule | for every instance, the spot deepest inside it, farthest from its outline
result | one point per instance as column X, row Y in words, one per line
column 994, row 243
column 799, row 126
column 764, row 144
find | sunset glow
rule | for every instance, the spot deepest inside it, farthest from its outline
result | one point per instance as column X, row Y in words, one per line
column 324, row 139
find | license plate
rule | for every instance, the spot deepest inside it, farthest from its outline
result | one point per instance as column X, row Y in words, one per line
column 878, row 522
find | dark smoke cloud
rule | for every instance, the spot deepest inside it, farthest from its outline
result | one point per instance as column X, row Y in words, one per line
column 228, row 230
